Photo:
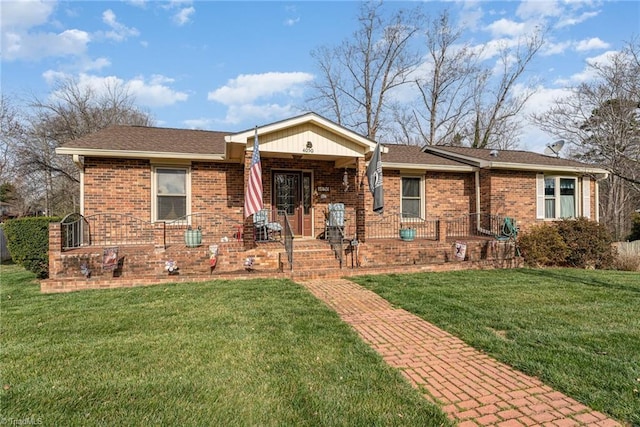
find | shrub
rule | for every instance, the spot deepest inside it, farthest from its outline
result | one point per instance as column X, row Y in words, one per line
column 589, row 242
column 542, row 245
column 627, row 262
column 28, row 243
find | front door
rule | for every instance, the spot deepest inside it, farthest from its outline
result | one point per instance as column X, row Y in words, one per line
column 292, row 194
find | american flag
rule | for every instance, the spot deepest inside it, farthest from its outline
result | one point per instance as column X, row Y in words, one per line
column 253, row 197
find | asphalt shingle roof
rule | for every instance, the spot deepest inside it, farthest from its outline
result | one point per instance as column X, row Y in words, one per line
column 413, row 154
column 511, row 156
column 185, row 141
column 152, row 139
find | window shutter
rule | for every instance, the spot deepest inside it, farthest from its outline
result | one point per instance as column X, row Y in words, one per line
column 540, row 196
column 586, row 197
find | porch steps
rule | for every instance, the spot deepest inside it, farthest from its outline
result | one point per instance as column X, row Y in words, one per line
column 311, row 255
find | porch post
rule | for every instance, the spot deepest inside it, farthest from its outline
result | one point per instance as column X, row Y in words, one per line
column 360, row 212
column 55, row 248
column 442, row 230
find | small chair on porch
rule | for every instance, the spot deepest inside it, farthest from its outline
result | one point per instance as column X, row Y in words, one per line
column 264, row 228
column 335, row 221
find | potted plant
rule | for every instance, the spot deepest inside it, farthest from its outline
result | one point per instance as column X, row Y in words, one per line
column 407, row 233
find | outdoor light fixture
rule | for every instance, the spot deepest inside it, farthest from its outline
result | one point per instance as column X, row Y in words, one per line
column 345, row 180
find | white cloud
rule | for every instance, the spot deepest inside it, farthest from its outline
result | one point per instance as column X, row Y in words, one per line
column 264, row 113
column 183, row 16
column 152, row 93
column 506, row 27
column 138, row 3
column 22, row 14
column 247, row 88
column 593, row 43
column 241, row 95
column 94, row 65
column 155, row 92
column 291, row 21
column 586, row 73
column 119, row 32
column 551, row 48
column 471, row 15
column 569, row 21
column 40, row 45
column 532, row 138
column 536, row 9
column 198, row 123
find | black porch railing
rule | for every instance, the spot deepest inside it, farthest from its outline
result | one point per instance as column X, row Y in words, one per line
column 287, row 236
column 104, row 229
column 481, row 224
column 214, row 227
column 108, row 229
column 388, row 225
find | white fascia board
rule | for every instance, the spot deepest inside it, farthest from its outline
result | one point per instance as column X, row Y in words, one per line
column 91, row 152
column 434, row 168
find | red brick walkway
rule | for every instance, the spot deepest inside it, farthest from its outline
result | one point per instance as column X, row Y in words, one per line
column 471, row 387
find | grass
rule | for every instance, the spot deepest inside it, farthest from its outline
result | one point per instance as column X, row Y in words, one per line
column 577, row 330
column 245, row 353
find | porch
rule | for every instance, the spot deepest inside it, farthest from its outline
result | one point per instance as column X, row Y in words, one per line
column 226, row 248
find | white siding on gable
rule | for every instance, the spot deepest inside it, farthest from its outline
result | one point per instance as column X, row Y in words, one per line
column 586, row 197
column 323, row 142
column 540, row 196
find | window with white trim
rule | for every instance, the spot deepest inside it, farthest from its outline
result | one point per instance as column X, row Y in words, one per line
column 560, row 197
column 412, row 202
column 170, row 193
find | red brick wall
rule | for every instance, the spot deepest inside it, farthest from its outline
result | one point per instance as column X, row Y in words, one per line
column 124, row 186
column 450, row 194
column 117, row 186
column 446, row 194
column 510, row 193
column 217, row 188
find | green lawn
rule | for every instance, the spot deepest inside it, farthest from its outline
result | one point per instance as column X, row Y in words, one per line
column 232, row 353
column 577, row 330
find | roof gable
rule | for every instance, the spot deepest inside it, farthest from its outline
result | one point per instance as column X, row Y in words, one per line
column 314, row 121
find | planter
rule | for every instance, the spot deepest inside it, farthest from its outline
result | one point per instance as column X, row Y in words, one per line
column 407, row 234
column 193, row 238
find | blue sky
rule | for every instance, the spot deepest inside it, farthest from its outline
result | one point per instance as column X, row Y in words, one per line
column 233, row 65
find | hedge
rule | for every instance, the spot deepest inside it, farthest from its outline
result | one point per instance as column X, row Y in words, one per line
column 28, row 243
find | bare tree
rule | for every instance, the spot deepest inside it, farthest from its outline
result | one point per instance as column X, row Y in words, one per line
column 496, row 105
column 71, row 112
column 601, row 120
column 11, row 131
column 357, row 76
column 445, row 88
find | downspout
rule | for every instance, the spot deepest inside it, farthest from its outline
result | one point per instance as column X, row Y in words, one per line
column 478, row 200
column 597, row 201
column 78, row 161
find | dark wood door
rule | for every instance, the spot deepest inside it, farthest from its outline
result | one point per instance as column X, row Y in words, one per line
column 292, row 194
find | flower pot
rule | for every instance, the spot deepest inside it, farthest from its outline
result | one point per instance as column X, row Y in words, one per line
column 407, row 234
column 193, row 238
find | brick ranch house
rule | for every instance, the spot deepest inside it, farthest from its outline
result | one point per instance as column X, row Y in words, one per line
column 145, row 189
